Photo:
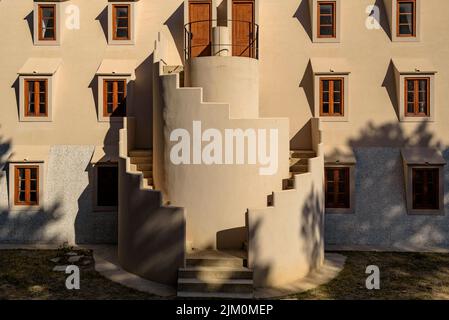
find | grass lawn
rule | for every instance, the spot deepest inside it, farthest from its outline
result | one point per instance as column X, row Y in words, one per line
column 27, row 274
column 402, row 276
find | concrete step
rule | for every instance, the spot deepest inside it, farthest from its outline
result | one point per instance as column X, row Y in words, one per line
column 141, row 153
column 218, row 285
column 173, row 69
column 215, row 295
column 296, row 161
column 299, row 168
column 288, row 184
column 302, row 154
column 148, row 175
column 144, row 166
column 141, row 160
column 214, row 262
column 141, row 167
column 215, row 273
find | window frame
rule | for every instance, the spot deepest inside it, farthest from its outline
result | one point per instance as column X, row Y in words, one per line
column 398, row 14
column 17, row 190
column 334, row 20
column 37, row 113
column 331, row 96
column 97, row 207
column 408, row 172
column 115, row 81
column 336, row 181
column 416, row 97
column 112, row 27
column 32, row 208
column 24, row 115
column 40, row 7
column 114, row 22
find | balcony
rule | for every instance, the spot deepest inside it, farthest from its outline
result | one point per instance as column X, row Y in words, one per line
column 205, row 38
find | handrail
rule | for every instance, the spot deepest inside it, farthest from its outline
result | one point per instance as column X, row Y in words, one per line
column 250, row 49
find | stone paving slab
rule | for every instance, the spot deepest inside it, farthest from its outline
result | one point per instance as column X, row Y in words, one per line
column 106, row 263
column 333, row 264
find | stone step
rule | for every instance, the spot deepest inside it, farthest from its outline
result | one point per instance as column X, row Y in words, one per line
column 215, row 295
column 213, row 273
column 214, row 262
column 173, row 69
column 302, row 154
column 141, row 153
column 148, row 175
column 141, row 167
column 288, row 184
column 218, row 285
column 295, row 161
column 299, row 168
column 141, row 160
column 144, row 166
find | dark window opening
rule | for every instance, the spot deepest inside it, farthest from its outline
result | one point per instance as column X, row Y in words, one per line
column 107, row 186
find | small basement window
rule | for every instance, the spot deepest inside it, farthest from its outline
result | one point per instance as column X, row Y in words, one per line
column 425, row 188
column 106, row 186
column 423, row 170
column 337, row 187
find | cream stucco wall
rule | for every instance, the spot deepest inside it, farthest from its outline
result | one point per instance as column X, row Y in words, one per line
column 205, row 191
column 81, row 51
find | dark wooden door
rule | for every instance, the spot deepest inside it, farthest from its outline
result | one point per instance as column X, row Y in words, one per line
column 200, row 16
column 243, row 28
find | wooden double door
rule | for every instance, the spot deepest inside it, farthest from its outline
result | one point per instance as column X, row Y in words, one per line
column 243, row 28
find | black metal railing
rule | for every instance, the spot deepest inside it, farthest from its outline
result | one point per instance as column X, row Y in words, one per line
column 246, row 47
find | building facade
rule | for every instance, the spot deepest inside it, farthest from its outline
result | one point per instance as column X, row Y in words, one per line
column 96, row 95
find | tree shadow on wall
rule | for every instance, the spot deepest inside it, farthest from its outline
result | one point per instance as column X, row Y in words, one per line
column 381, row 217
column 27, row 225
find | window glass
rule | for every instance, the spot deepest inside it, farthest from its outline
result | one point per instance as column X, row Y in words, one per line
column 406, row 18
column 26, row 185
column 326, row 19
column 425, row 187
column 337, row 188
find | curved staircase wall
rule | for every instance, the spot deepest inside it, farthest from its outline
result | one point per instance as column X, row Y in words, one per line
column 216, row 197
column 286, row 240
column 151, row 236
column 232, row 80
